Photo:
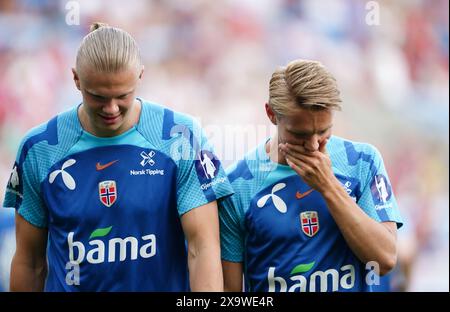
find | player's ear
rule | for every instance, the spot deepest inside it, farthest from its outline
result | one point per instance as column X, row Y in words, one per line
column 271, row 114
column 76, row 78
column 141, row 73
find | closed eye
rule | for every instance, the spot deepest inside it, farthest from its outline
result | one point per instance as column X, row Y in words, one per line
column 97, row 97
column 122, row 97
column 299, row 135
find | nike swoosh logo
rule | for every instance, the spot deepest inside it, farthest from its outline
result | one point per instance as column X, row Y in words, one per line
column 299, row 195
column 99, row 167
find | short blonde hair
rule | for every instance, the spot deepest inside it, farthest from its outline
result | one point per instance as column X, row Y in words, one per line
column 304, row 84
column 107, row 49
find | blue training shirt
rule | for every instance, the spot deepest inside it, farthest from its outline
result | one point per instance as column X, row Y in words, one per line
column 112, row 206
column 281, row 229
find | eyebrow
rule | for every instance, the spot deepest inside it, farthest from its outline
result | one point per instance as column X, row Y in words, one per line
column 309, row 133
column 97, row 95
column 93, row 94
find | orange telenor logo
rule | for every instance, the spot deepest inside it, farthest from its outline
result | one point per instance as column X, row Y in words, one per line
column 299, row 195
column 99, row 167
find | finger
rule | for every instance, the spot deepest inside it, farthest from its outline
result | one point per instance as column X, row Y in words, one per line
column 287, row 150
column 286, row 147
column 300, row 156
column 298, row 166
column 291, row 163
column 298, row 148
column 323, row 146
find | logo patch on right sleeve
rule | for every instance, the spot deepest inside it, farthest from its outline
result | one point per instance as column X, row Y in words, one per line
column 14, row 180
column 207, row 165
column 381, row 192
column 14, row 183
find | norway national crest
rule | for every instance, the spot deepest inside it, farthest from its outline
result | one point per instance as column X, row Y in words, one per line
column 107, row 192
column 310, row 222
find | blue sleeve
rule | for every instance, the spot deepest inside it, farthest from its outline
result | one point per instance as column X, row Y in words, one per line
column 231, row 230
column 200, row 178
column 23, row 189
column 377, row 197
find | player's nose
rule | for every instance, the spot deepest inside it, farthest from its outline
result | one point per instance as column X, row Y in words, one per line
column 312, row 144
column 111, row 107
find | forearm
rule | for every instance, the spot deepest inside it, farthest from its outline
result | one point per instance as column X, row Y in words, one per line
column 205, row 269
column 27, row 277
column 368, row 239
column 232, row 276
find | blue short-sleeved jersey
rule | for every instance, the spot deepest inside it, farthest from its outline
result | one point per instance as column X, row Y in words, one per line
column 112, row 206
column 281, row 229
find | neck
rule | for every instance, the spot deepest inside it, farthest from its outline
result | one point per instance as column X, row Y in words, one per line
column 273, row 151
column 136, row 113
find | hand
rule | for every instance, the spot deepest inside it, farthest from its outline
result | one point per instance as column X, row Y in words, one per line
column 313, row 167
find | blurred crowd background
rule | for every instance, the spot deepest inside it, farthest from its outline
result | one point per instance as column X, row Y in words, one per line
column 213, row 60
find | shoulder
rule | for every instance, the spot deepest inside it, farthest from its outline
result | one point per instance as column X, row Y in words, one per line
column 353, row 149
column 353, row 158
column 247, row 168
column 160, row 124
column 164, row 116
column 44, row 131
column 248, row 174
column 52, row 138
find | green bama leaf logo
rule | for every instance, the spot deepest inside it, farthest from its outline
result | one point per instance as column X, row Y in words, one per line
column 101, row 232
column 302, row 268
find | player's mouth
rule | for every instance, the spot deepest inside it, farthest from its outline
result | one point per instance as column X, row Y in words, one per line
column 110, row 120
